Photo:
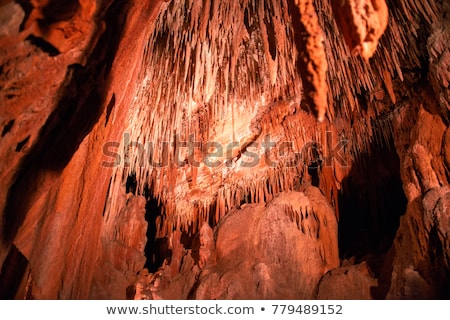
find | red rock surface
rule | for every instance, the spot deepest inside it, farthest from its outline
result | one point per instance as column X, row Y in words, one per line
column 362, row 23
column 424, row 229
column 78, row 79
column 280, row 249
column 62, row 107
column 264, row 253
column 123, row 238
column 353, row 282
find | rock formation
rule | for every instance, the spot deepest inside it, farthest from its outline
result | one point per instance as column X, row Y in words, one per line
column 251, row 149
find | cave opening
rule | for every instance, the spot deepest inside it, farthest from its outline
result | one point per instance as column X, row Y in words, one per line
column 370, row 204
column 313, row 172
column 157, row 247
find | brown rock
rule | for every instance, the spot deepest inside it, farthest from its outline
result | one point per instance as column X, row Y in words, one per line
column 275, row 252
column 92, row 91
column 353, row 282
column 177, row 252
column 207, row 247
column 123, row 242
column 362, row 23
column 446, row 149
column 439, row 55
column 418, row 266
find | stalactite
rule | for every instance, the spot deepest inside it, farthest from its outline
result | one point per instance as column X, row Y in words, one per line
column 215, row 76
column 314, row 59
column 362, row 24
column 215, row 66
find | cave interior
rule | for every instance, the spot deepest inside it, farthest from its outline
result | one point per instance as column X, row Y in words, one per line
column 250, row 149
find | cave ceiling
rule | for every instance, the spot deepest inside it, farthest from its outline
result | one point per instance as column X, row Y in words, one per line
column 124, row 123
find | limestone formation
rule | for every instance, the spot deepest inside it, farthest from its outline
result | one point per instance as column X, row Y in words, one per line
column 248, row 149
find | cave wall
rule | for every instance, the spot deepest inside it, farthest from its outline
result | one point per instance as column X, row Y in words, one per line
column 72, row 83
column 55, row 187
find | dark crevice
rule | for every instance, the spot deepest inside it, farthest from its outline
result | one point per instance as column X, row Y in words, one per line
column 54, row 11
column 22, row 144
column 27, row 7
column 7, row 127
column 246, row 21
column 131, row 184
column 157, row 249
column 12, row 273
column 371, row 203
column 43, row 45
column 110, row 107
column 195, row 247
column 313, row 171
column 271, row 35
